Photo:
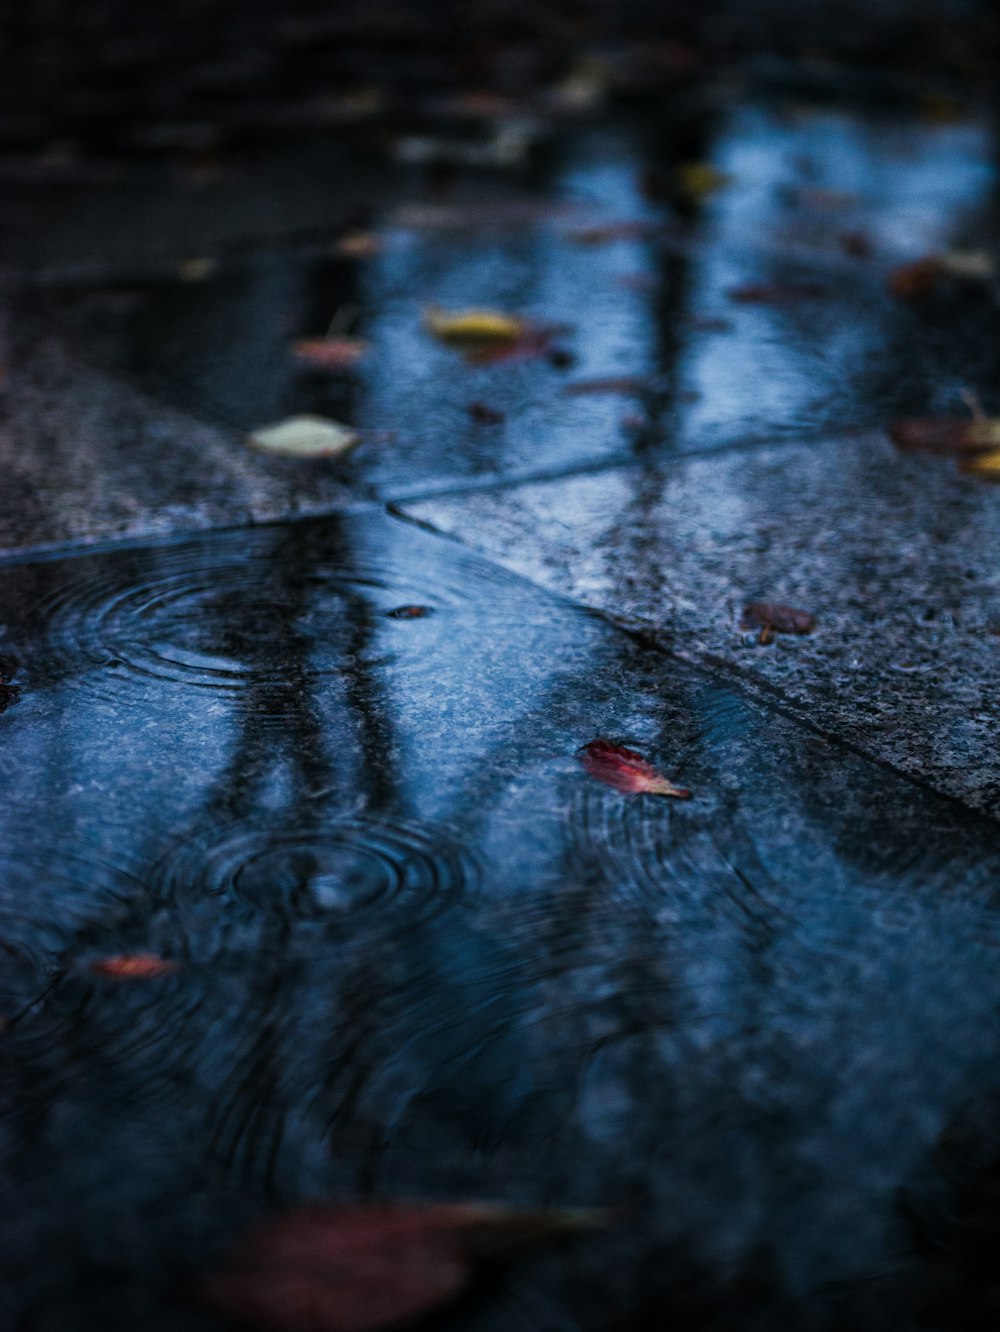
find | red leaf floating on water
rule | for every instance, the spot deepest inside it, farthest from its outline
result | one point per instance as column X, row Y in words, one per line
column 533, row 342
column 134, row 966
column 329, row 353
column 626, row 770
column 771, row 615
column 358, row 1269
column 917, row 279
column 946, row 434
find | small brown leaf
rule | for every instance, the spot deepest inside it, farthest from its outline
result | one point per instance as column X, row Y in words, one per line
column 330, row 353
column 772, row 615
column 626, row 770
column 363, row 1268
column 134, row 966
column 917, row 279
column 947, row 435
column 943, row 435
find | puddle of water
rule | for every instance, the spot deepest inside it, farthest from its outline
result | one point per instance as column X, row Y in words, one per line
column 422, row 953
column 651, row 304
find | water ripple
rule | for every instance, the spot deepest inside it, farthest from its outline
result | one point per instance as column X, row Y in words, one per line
column 335, row 872
column 231, row 617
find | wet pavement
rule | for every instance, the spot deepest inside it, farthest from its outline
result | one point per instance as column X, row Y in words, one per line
column 307, row 731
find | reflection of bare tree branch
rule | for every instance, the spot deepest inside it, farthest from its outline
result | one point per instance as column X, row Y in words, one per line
column 280, row 720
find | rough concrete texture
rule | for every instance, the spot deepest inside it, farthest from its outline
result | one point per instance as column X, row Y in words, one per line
column 893, row 554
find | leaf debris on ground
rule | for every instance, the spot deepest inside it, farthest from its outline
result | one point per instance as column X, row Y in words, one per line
column 305, row 437
column 771, row 617
column 626, row 770
column 134, row 966
column 370, row 1266
column 334, row 354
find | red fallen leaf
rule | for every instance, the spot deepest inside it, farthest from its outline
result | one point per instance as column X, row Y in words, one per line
column 409, row 612
column 623, row 384
column 483, row 414
column 775, row 293
column 358, row 1269
column 771, row 616
column 330, row 353
column 134, row 966
column 533, row 342
column 954, row 268
column 626, row 770
column 917, row 279
column 929, row 434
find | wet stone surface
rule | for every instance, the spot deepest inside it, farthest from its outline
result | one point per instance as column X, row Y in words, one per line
column 744, row 315
column 892, row 554
column 305, row 893
column 422, row 953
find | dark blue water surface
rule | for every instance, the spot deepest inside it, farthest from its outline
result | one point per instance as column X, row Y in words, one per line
column 422, row 953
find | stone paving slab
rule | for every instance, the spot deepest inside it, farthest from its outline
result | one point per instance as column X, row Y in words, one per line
column 87, row 458
column 893, row 555
column 420, row 952
column 144, row 384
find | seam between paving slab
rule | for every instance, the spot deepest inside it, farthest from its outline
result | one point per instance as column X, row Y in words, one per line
column 647, row 635
column 665, row 461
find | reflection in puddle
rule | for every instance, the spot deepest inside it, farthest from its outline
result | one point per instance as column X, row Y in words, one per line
column 422, row 953
column 649, row 300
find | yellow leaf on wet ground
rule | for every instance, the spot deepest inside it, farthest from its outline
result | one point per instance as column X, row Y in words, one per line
column 472, row 328
column 305, row 437
column 985, row 464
